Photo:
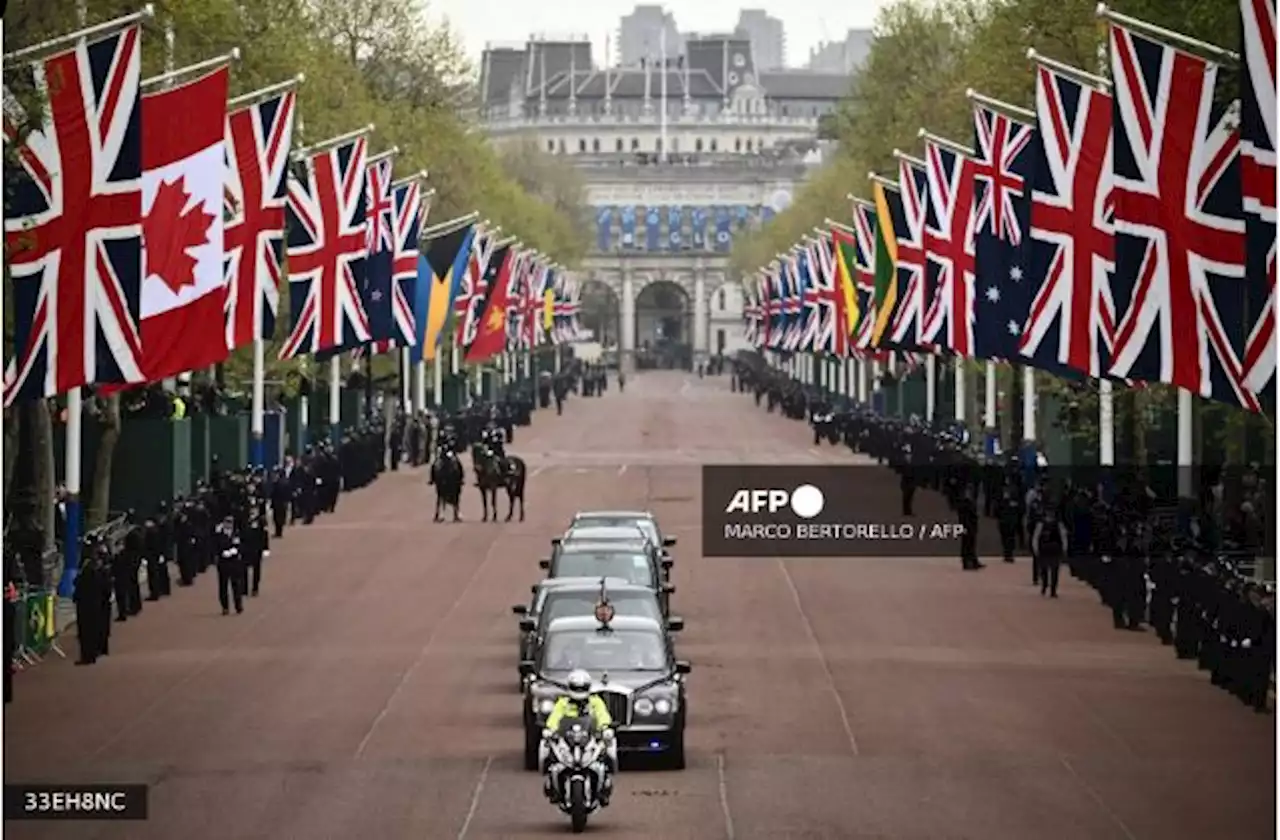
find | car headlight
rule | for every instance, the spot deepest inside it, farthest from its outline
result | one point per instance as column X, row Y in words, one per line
column 663, row 706
column 643, row 707
column 545, row 705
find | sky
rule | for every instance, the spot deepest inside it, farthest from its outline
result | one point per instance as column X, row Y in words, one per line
column 511, row 22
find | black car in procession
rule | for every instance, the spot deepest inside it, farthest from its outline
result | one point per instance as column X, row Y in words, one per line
column 566, row 597
column 632, row 661
column 645, row 521
column 632, row 560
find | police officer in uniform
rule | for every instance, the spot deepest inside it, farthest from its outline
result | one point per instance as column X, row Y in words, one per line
column 230, row 567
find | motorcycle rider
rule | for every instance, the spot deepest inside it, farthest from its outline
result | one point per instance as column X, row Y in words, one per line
column 579, row 701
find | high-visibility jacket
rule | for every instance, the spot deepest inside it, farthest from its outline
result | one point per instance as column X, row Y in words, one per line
column 566, row 707
column 179, row 408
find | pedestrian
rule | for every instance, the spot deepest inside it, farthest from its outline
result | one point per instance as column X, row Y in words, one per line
column 230, row 567
column 1050, row 540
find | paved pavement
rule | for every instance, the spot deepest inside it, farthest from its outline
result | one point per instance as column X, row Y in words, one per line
column 370, row 691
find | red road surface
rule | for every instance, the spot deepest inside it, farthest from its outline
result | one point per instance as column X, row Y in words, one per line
column 371, row 690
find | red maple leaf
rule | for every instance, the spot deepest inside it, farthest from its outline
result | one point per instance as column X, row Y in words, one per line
column 170, row 230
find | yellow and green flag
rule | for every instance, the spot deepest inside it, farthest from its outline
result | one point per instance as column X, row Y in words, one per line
column 885, row 296
column 846, row 253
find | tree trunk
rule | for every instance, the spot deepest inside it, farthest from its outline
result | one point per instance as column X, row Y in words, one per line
column 42, row 444
column 12, row 432
column 100, row 498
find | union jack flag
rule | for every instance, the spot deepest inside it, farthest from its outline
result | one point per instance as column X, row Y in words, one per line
column 864, row 271
column 793, row 308
column 1071, row 251
column 73, row 229
column 906, row 330
column 948, row 241
column 472, row 285
column 1258, row 184
column 517, row 293
column 532, row 332
column 327, row 248
column 409, row 211
column 1002, row 207
column 566, row 311
column 775, row 306
column 259, row 138
column 811, row 311
column 1180, row 229
column 830, row 334
column 751, row 315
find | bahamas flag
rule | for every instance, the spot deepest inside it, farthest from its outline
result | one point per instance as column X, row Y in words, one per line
column 440, row 269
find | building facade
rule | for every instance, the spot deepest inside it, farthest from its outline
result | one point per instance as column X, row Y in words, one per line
column 647, row 33
column 841, row 57
column 767, row 36
column 678, row 160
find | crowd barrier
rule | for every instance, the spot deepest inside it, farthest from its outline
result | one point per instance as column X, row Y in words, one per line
column 35, row 618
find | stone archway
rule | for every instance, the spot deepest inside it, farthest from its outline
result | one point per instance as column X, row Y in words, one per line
column 601, row 312
column 664, row 315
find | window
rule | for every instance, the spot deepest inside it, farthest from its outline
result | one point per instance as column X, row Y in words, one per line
column 551, row 146
column 675, row 144
column 561, row 144
column 582, row 145
column 720, row 342
column 760, row 144
column 714, row 144
column 737, row 144
column 720, row 300
column 657, row 144
column 595, row 145
column 635, row 144
column 748, row 144
column 618, row 145
column 697, row 145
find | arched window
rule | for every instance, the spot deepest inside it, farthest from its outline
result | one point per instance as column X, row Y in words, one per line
column 551, row 146
column 737, row 144
column 618, row 145
column 697, row 145
column 582, row 145
column 748, row 144
column 721, row 300
column 635, row 144
column 595, row 145
column 714, row 144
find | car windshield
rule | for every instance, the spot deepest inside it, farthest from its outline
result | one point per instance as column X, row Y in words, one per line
column 631, row 566
column 646, row 525
column 561, row 604
column 598, row 651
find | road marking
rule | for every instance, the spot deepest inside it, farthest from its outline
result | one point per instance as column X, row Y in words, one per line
column 475, row 798
column 422, row 653
column 622, row 469
column 822, row 657
column 724, row 798
column 1097, row 797
column 538, row 471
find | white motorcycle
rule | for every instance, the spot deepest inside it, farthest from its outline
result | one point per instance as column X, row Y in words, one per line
column 576, row 771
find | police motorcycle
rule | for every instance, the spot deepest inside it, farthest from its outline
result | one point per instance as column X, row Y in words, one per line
column 574, row 762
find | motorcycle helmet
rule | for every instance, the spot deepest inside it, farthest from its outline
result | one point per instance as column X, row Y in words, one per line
column 579, row 686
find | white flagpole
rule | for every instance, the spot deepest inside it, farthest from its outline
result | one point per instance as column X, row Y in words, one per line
column 335, row 400
column 73, row 446
column 989, row 418
column 170, row 383
column 930, row 386
column 1028, row 403
column 420, row 386
column 406, row 365
column 960, row 389
column 437, row 380
column 257, row 424
column 1186, row 443
column 1106, row 424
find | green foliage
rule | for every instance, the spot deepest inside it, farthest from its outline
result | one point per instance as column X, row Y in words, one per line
column 366, row 61
column 925, row 56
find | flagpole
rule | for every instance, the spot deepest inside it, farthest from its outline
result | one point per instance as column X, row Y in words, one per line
column 257, row 424
column 1029, row 403
column 930, row 386
column 437, row 380
column 406, row 369
column 105, row 29
column 169, row 383
column 335, row 400
column 420, row 386
column 989, row 413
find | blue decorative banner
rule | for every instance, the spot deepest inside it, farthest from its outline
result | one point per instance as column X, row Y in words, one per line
column 675, row 228
column 743, row 215
column 652, row 229
column 628, row 228
column 699, row 229
column 724, row 239
column 604, row 228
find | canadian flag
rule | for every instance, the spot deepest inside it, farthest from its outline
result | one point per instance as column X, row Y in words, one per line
column 183, row 283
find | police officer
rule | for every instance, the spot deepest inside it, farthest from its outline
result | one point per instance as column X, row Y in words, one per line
column 1009, row 517
column 1050, row 540
column 230, row 567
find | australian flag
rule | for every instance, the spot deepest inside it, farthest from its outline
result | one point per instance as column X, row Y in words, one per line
column 1002, row 213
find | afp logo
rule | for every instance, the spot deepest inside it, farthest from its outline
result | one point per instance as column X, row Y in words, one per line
column 805, row 501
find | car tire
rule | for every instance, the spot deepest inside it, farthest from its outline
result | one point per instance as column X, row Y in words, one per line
column 675, row 757
column 532, row 739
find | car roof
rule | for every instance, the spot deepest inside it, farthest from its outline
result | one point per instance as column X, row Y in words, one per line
column 621, row 545
column 612, row 514
column 584, row 581
column 589, row 622
column 613, row 530
column 593, row 585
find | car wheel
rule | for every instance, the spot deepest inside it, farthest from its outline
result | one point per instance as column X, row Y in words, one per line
column 532, row 739
column 675, row 756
